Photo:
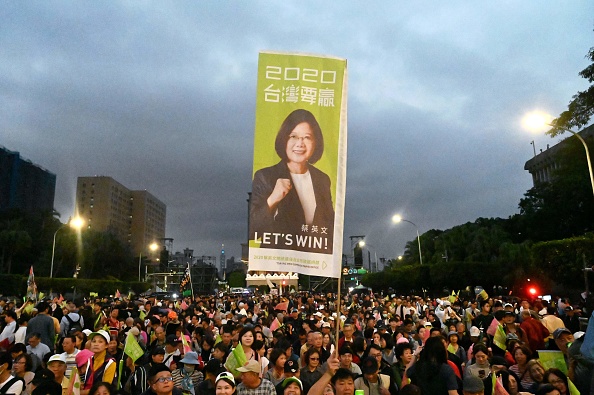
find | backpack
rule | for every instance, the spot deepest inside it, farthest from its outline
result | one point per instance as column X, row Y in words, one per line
column 73, row 326
column 9, row 384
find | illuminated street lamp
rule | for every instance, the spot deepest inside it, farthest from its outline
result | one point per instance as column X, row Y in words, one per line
column 397, row 219
column 74, row 223
column 537, row 120
column 153, row 247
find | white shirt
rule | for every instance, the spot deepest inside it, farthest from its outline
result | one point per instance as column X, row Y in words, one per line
column 8, row 332
column 304, row 187
column 15, row 389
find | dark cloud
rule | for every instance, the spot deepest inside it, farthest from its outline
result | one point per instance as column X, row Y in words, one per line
column 161, row 96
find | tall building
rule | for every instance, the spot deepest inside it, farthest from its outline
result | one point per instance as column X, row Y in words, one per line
column 137, row 218
column 543, row 165
column 25, row 185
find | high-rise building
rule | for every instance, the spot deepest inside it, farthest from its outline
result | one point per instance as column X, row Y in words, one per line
column 137, row 218
column 25, row 185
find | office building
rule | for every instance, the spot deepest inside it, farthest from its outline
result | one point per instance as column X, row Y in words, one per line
column 543, row 165
column 25, row 185
column 137, row 218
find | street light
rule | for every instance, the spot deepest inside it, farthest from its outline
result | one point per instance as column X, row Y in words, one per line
column 397, row 219
column 538, row 120
column 153, row 247
column 74, row 223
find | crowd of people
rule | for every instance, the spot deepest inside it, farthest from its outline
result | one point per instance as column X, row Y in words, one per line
column 295, row 344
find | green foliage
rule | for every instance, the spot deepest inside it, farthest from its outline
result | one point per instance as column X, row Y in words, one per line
column 16, row 285
column 236, row 279
column 581, row 106
column 563, row 260
column 563, row 207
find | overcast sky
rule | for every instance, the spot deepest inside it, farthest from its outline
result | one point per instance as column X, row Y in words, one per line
column 161, row 96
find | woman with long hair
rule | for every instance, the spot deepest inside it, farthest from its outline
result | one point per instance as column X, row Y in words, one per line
column 431, row 372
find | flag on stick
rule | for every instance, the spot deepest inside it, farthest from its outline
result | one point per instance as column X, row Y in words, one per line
column 31, row 286
column 74, row 383
column 132, row 348
column 185, row 284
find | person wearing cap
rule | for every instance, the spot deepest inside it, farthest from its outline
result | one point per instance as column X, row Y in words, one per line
column 187, row 377
column 8, row 383
column 82, row 359
column 211, row 370
column 455, row 348
column 372, row 382
column 251, row 383
column 224, row 384
column 57, row 364
column 171, row 349
column 511, row 327
column 101, row 366
column 291, row 370
column 571, row 319
column 292, row 386
column 139, row 381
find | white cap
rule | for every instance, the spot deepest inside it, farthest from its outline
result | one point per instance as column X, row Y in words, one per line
column 57, row 357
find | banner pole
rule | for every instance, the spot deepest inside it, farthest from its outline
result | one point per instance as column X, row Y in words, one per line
column 191, row 284
column 338, row 320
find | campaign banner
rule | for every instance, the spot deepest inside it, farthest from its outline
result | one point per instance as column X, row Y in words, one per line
column 299, row 176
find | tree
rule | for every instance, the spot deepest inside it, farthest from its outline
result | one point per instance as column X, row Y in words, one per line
column 581, row 107
column 563, row 207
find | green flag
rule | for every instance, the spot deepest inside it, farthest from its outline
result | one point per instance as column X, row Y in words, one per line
column 236, row 359
column 132, row 348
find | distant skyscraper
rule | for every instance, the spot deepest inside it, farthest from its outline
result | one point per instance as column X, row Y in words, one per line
column 137, row 218
column 25, row 185
column 223, row 261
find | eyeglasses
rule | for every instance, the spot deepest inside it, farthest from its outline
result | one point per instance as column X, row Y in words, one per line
column 164, row 379
column 314, row 359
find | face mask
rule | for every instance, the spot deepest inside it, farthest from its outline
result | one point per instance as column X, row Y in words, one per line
column 189, row 368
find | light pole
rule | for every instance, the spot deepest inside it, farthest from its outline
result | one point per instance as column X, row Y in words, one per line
column 397, row 219
column 537, row 120
column 364, row 244
column 153, row 247
column 75, row 223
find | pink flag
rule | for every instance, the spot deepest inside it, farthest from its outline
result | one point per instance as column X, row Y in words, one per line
column 283, row 306
column 275, row 325
column 493, row 327
column 183, row 305
column 117, row 294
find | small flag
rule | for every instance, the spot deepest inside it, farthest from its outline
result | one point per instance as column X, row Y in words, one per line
column 500, row 337
column 186, row 345
column 218, row 339
column 283, row 306
column 118, row 294
column 31, row 286
column 60, row 299
column 274, row 325
column 186, row 282
column 184, row 305
column 483, row 295
column 74, row 383
column 132, row 348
